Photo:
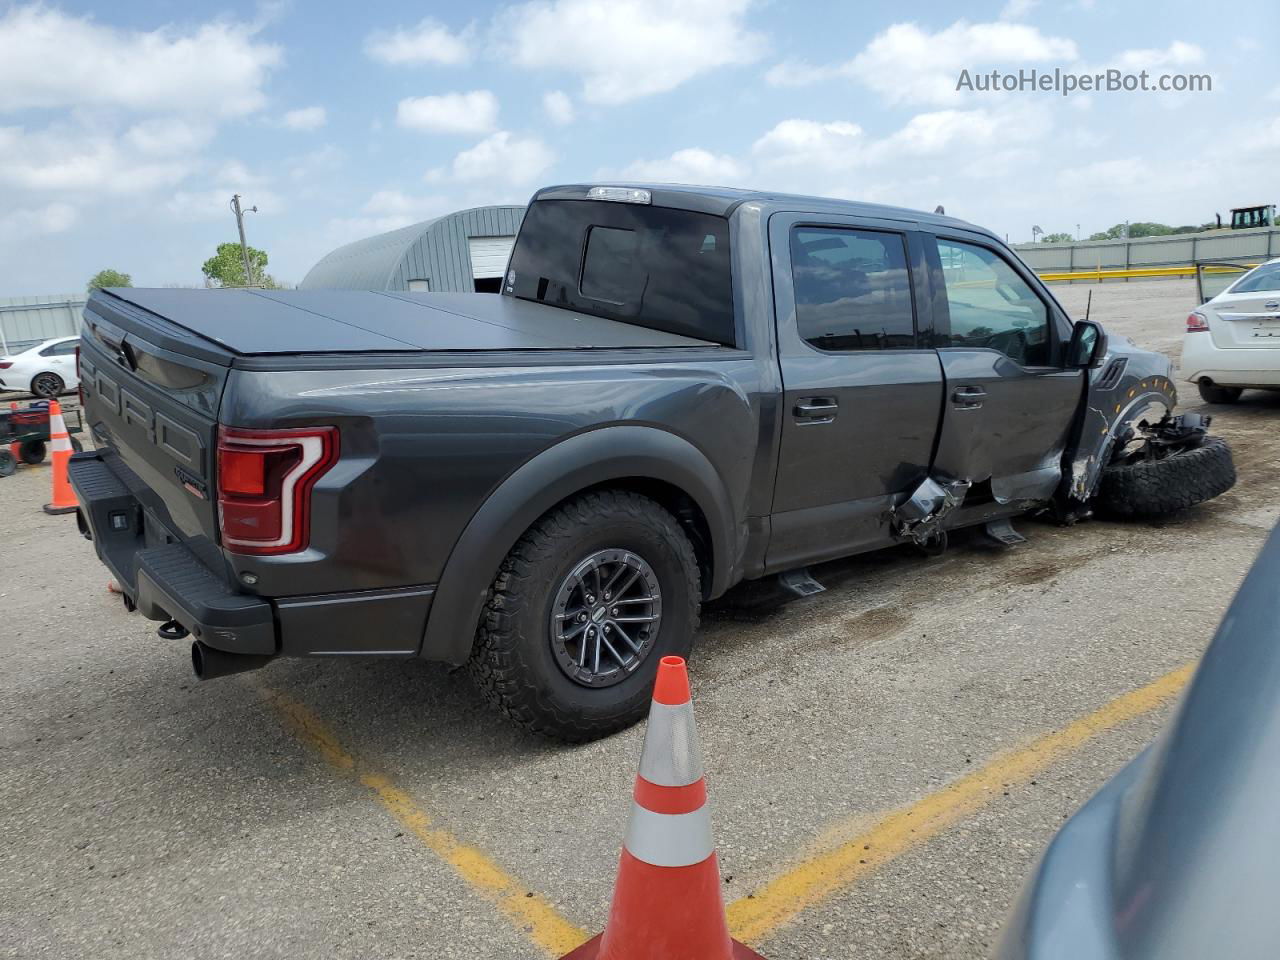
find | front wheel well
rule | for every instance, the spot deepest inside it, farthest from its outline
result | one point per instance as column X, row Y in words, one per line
column 680, row 505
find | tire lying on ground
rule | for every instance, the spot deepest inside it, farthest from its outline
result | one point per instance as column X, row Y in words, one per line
column 1154, row 487
column 611, row 566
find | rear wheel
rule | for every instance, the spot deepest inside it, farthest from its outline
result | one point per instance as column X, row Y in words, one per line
column 582, row 610
column 1212, row 393
column 47, row 385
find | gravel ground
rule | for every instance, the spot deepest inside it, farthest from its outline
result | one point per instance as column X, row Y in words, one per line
column 145, row 815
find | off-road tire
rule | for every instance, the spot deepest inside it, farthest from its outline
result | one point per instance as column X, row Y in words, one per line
column 32, row 452
column 1156, row 487
column 512, row 661
column 47, row 386
column 1212, row 393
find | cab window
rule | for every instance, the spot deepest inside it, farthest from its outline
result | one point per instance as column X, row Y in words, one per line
column 852, row 289
column 992, row 306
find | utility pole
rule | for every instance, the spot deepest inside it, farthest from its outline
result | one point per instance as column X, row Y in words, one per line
column 244, row 247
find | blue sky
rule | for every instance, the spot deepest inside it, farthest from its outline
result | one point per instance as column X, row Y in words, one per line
column 125, row 127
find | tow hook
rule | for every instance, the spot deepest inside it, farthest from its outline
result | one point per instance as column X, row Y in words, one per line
column 172, row 630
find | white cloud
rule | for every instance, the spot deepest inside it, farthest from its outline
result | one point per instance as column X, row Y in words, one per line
column 428, row 42
column 306, row 118
column 502, row 156
column 79, row 160
column 691, row 165
column 558, row 107
column 474, row 112
column 169, row 136
column 798, row 73
column 906, row 64
column 17, row 224
column 1017, row 9
column 627, row 49
column 1177, row 54
column 52, row 59
column 796, row 143
column 387, row 210
column 326, row 159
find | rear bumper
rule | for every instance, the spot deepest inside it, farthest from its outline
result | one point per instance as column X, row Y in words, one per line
column 1231, row 367
column 168, row 582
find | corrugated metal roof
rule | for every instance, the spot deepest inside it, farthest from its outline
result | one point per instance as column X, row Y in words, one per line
column 434, row 250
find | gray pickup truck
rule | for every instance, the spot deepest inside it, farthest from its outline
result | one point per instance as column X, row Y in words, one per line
column 677, row 389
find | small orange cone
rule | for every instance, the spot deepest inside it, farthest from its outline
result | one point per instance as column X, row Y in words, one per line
column 667, row 903
column 15, row 448
column 64, row 498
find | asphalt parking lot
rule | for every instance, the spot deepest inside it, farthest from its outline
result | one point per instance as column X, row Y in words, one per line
column 885, row 759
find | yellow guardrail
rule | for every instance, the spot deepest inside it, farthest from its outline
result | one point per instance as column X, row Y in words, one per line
column 1138, row 272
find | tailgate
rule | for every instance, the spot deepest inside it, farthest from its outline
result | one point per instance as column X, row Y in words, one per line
column 151, row 397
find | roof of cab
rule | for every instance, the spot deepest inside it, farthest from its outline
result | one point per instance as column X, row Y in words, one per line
column 722, row 201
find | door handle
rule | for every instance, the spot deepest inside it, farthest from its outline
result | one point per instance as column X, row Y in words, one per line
column 815, row 409
column 968, row 398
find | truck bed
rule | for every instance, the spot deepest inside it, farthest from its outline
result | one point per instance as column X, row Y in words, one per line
column 291, row 322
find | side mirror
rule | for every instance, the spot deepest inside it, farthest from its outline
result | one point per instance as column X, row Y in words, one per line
column 1088, row 346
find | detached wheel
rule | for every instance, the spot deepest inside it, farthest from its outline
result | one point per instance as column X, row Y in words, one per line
column 1183, row 478
column 582, row 610
column 32, row 452
column 47, row 386
column 1211, row 393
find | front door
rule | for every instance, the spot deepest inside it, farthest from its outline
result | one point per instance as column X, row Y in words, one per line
column 862, row 387
column 1009, row 402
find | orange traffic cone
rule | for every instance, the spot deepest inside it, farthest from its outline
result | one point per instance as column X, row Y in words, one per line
column 14, row 448
column 64, row 498
column 667, row 903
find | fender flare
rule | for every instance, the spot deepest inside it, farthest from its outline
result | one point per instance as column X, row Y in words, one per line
column 557, row 473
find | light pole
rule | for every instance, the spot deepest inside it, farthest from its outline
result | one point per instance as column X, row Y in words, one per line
column 244, row 247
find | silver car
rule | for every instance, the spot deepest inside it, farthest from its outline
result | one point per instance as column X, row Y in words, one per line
column 1178, row 857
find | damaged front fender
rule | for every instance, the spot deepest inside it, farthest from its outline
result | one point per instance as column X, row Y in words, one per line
column 1130, row 387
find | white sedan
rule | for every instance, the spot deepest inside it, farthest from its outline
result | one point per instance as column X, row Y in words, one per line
column 1233, row 341
column 47, row 369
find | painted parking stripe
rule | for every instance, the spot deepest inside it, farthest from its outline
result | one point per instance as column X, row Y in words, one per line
column 530, row 913
column 812, row 881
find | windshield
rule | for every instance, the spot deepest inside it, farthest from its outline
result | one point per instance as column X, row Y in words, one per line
column 652, row 266
column 1266, row 277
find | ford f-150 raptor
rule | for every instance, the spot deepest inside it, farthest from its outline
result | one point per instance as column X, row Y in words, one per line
column 677, row 389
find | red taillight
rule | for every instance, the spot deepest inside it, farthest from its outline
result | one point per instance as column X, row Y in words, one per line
column 5, row 366
column 265, row 478
column 1197, row 322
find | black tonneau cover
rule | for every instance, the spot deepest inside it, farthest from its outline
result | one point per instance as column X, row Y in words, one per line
column 265, row 322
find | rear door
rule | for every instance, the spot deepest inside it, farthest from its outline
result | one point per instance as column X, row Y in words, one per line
column 1009, row 403
column 862, row 384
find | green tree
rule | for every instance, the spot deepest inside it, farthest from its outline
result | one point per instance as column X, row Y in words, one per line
column 226, row 267
column 1057, row 238
column 109, row 278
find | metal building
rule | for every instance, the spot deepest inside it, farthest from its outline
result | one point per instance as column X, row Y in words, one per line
column 26, row 321
column 462, row 251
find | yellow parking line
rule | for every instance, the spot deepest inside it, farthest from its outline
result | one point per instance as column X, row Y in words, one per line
column 531, row 914
column 757, row 915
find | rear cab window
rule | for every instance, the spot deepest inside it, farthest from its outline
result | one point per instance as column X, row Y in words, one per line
column 656, row 267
